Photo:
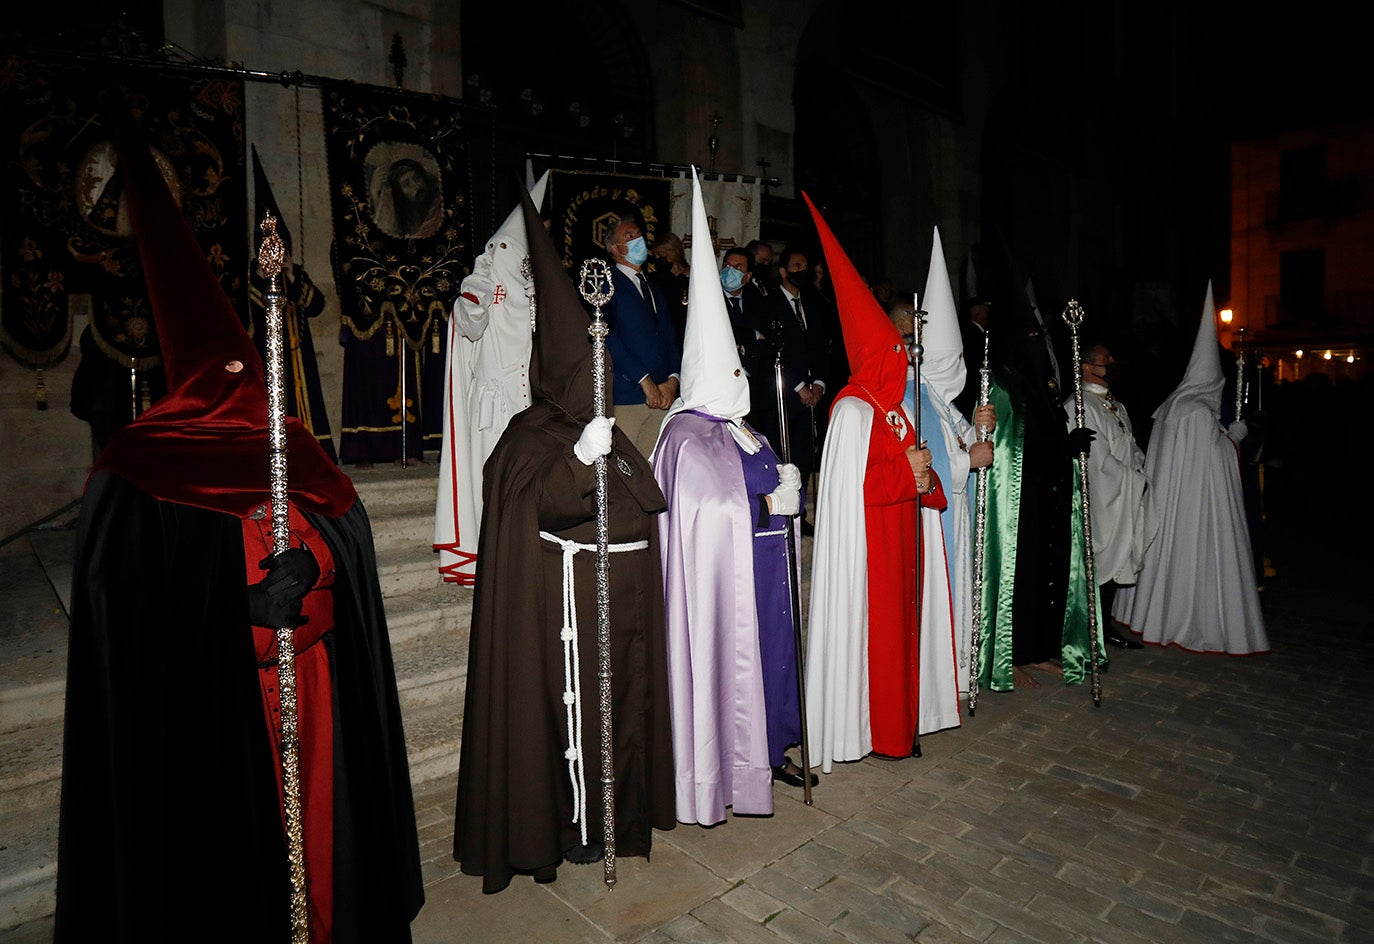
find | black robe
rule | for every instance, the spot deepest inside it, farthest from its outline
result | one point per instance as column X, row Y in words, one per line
column 170, row 822
column 515, row 801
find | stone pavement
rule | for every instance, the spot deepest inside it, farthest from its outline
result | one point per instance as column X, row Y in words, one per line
column 1210, row 799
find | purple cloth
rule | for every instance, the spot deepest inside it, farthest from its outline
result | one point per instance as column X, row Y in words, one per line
column 773, row 596
column 371, row 418
column 716, row 681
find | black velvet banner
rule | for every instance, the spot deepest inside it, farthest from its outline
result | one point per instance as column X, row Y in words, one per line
column 582, row 204
column 398, row 173
column 66, row 245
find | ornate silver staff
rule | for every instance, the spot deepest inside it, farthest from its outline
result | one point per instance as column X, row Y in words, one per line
column 597, row 288
column 1242, row 386
column 1073, row 317
column 918, row 352
column 980, row 530
column 785, row 445
column 271, row 256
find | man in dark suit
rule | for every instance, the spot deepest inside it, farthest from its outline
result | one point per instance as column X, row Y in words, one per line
column 796, row 315
column 747, row 308
column 643, row 345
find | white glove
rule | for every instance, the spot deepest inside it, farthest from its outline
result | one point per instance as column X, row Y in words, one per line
column 595, row 440
column 1237, row 430
column 789, row 476
column 785, row 501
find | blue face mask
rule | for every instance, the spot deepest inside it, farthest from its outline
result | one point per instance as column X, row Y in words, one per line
column 732, row 280
column 636, row 251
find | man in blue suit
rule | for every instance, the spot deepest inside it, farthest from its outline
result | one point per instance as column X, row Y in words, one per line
column 645, row 353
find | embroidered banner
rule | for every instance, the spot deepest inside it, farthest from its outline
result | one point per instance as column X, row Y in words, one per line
column 66, row 245
column 733, row 210
column 398, row 172
column 582, row 204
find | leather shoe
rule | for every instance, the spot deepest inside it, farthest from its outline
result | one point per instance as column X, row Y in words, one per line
column 791, row 775
column 585, row 855
column 1123, row 642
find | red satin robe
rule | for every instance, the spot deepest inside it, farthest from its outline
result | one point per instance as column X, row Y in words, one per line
column 890, row 525
column 314, row 708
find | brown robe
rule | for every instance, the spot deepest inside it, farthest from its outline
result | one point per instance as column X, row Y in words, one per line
column 515, row 797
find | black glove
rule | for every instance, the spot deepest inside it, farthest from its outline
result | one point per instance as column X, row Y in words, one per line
column 1080, row 441
column 275, row 601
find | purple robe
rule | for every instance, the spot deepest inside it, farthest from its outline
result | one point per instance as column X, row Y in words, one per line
column 715, row 662
column 773, row 605
column 371, row 417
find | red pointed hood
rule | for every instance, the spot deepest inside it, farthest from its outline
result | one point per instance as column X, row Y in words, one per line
column 204, row 443
column 877, row 358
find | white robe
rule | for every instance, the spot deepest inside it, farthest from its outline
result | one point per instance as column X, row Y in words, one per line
column 487, row 383
column 837, row 717
column 959, row 535
column 1123, row 507
column 837, row 693
column 938, row 700
column 1197, row 587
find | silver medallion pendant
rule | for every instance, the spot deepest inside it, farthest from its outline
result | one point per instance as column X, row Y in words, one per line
column 623, row 465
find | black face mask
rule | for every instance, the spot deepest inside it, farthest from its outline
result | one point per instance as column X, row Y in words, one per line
column 1111, row 374
column 766, row 275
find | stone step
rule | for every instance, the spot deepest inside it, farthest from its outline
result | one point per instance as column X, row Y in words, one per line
column 28, row 865
column 389, row 485
column 31, row 768
column 427, row 619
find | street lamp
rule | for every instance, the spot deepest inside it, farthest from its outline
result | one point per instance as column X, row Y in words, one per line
column 1226, row 316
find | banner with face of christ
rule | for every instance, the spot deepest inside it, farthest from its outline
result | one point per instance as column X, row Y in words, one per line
column 398, row 171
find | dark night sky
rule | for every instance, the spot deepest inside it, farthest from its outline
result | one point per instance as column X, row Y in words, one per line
column 1287, row 67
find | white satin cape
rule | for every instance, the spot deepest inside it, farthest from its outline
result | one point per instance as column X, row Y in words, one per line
column 837, row 695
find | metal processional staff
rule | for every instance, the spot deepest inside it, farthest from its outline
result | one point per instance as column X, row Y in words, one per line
column 597, row 288
column 1073, row 317
column 980, row 530
column 785, row 445
column 918, row 351
column 271, row 257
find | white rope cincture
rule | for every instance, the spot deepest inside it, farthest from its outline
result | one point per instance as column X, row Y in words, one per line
column 572, row 674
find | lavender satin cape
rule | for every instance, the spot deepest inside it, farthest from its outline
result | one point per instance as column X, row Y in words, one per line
column 716, row 692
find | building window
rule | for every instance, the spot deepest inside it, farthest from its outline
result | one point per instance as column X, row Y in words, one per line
column 1302, row 281
column 1302, row 182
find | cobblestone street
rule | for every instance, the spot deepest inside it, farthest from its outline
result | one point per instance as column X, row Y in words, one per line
column 1209, row 799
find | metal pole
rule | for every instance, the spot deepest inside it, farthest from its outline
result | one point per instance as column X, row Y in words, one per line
column 271, row 255
column 401, row 362
column 980, row 529
column 597, row 288
column 918, row 351
column 785, row 445
column 1073, row 317
column 1242, row 391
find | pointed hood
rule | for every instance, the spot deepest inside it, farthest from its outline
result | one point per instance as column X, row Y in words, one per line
column 877, row 357
column 511, row 233
column 1203, row 380
column 205, row 442
column 942, row 368
column 712, row 377
column 265, row 200
column 561, row 361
